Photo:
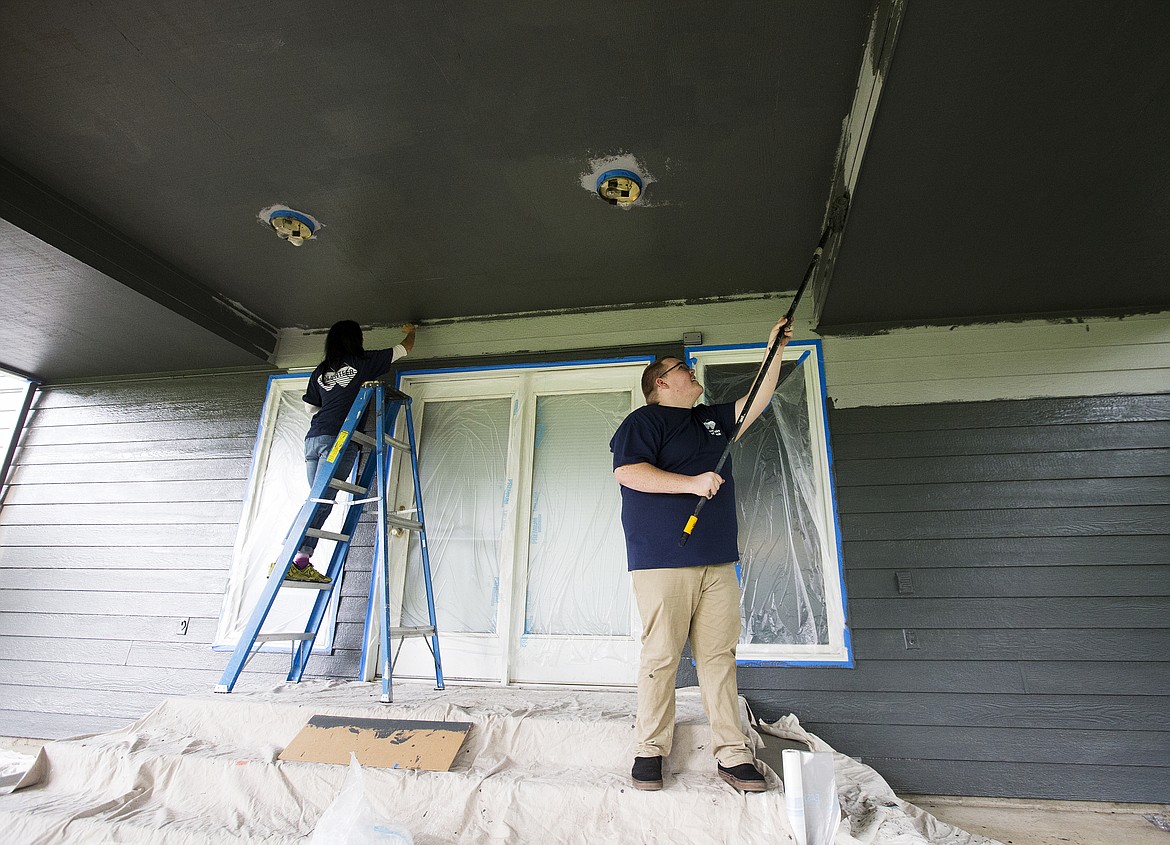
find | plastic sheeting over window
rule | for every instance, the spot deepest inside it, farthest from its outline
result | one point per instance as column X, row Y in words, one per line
column 463, row 451
column 781, row 533
column 576, row 584
column 277, row 490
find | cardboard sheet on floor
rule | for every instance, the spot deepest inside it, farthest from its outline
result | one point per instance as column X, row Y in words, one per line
column 383, row 743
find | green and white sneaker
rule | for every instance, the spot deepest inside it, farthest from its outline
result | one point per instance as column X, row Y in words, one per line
column 307, row 575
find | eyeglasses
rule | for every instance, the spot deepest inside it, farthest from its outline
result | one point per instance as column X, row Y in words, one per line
column 675, row 367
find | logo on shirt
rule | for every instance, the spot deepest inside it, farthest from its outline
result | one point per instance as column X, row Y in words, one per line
column 340, row 378
column 712, row 428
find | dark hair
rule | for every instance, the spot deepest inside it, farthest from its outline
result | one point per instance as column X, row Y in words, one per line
column 651, row 374
column 343, row 341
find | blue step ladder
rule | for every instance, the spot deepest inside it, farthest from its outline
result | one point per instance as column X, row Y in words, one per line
column 387, row 404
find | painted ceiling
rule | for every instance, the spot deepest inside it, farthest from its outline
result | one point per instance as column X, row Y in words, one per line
column 1014, row 165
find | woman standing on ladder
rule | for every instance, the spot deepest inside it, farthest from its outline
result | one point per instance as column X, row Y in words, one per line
column 332, row 388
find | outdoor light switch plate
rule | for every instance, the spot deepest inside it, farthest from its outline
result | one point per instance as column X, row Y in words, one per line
column 911, row 638
column 181, row 627
column 692, row 339
column 905, row 582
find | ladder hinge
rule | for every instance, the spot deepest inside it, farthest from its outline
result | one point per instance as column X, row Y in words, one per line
column 400, row 522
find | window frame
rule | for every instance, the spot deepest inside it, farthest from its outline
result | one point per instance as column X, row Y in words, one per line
column 838, row 652
column 22, row 410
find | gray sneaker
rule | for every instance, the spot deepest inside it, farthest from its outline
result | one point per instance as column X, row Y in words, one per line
column 744, row 777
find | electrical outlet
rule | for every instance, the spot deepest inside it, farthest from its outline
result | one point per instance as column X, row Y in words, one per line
column 911, row 638
column 181, row 627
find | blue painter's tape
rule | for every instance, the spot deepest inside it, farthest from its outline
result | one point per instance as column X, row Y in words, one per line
column 637, row 359
column 618, row 174
column 295, row 215
column 792, row 344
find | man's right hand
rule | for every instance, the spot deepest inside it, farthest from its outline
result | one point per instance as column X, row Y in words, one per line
column 408, row 341
column 706, row 484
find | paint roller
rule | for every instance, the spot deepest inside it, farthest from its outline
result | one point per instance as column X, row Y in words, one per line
column 834, row 222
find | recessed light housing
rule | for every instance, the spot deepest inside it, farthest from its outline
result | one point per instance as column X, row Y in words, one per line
column 619, row 187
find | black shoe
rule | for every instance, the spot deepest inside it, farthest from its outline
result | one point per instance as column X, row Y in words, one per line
column 647, row 773
column 744, row 777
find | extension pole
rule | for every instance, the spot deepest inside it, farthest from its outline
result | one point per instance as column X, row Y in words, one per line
column 694, row 518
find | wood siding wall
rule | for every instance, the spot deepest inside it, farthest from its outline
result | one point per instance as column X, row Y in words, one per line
column 1034, row 532
column 1036, row 535
column 119, row 524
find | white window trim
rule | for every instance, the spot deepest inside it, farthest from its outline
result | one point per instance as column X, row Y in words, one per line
column 839, row 650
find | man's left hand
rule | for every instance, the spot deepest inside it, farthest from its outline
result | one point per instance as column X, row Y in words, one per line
column 781, row 325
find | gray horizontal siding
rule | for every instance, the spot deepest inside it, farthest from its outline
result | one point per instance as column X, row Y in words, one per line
column 1036, row 535
column 119, row 522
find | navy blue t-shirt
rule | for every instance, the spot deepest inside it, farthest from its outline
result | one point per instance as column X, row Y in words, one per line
column 334, row 389
column 687, row 441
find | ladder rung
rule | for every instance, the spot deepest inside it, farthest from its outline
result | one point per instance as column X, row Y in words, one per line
column 396, row 443
column 264, row 638
column 338, row 484
column 402, row 522
column 413, row 631
column 363, row 438
column 326, row 535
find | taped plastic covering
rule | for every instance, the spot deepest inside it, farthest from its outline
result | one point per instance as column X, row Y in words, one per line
column 463, row 451
column 781, row 536
column 276, row 493
column 575, row 585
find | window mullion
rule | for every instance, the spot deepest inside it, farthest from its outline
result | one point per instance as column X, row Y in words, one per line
column 516, row 522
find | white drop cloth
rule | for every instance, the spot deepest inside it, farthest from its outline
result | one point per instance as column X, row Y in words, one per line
column 539, row 766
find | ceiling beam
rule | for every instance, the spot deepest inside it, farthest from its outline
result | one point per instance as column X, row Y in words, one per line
column 875, row 65
column 39, row 210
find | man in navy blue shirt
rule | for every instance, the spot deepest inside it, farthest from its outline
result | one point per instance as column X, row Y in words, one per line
column 664, row 455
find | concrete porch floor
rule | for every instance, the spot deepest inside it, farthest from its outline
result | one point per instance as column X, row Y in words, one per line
column 1017, row 821
column 1012, row 821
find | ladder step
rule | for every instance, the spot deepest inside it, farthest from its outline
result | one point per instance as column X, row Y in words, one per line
column 403, row 522
column 414, row 631
column 264, row 638
column 338, row 484
column 366, row 440
column 326, row 535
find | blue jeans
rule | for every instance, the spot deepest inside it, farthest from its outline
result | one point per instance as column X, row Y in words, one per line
column 316, row 451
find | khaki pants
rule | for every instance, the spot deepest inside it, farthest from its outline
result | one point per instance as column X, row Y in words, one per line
column 701, row 602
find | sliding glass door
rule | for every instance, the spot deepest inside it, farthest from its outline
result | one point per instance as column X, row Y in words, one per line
column 523, row 521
